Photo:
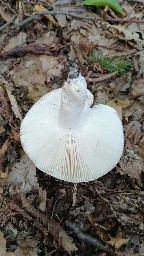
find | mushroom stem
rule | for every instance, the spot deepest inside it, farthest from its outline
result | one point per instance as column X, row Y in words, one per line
column 73, row 99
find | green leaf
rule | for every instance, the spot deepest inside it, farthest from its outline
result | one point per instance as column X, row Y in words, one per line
column 110, row 3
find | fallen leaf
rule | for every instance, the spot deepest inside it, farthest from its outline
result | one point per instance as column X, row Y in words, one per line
column 5, row 15
column 25, row 251
column 138, row 88
column 129, row 33
column 4, row 148
column 118, row 105
column 40, row 8
column 3, row 247
column 15, row 133
column 42, row 199
column 15, row 107
column 52, row 66
column 49, row 38
column 4, row 175
column 18, row 40
column 23, row 173
column 62, row 21
column 131, row 165
column 118, row 240
column 37, row 91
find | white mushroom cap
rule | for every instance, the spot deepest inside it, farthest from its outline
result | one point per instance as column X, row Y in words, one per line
column 67, row 139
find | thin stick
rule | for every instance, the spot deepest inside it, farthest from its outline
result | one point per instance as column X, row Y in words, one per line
column 87, row 17
column 8, row 23
column 74, row 194
column 102, row 78
column 9, row 7
column 87, row 238
column 19, row 51
column 100, row 46
column 53, row 228
column 37, row 14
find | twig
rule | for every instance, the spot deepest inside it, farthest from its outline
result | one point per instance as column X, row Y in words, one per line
column 37, row 14
column 102, row 78
column 4, row 148
column 53, row 228
column 107, row 202
column 8, row 23
column 13, row 205
column 88, row 17
column 19, row 51
column 5, row 4
column 87, row 238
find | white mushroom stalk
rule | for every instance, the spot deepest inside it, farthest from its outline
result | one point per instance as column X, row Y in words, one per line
column 66, row 138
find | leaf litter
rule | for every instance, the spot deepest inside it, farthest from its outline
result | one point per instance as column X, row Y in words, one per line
column 34, row 59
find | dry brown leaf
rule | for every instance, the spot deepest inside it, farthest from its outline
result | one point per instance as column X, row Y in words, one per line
column 53, row 228
column 52, row 66
column 4, row 148
column 33, row 72
column 42, row 199
column 131, row 165
column 40, row 8
column 36, row 91
column 15, row 107
column 118, row 240
column 15, row 133
column 102, row 232
column 62, row 21
column 128, row 33
column 138, row 88
column 20, row 251
column 18, row 40
column 141, row 63
column 5, row 15
column 118, row 105
column 5, row 109
column 23, row 173
column 25, row 251
column 4, row 175
column 49, row 38
column 3, row 247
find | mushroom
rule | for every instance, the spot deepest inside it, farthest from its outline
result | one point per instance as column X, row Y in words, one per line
column 67, row 138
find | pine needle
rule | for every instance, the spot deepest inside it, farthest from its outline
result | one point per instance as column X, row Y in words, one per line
column 111, row 64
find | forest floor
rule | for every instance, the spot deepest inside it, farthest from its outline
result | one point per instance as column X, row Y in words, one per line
column 40, row 215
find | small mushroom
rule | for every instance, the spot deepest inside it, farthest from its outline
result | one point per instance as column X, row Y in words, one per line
column 67, row 138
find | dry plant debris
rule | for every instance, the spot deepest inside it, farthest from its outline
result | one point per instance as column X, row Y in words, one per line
column 38, row 40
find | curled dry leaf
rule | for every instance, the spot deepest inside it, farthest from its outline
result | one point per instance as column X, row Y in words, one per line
column 42, row 199
column 118, row 240
column 4, row 148
column 5, row 15
column 40, row 8
column 15, row 107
